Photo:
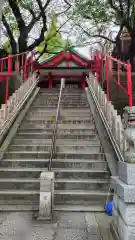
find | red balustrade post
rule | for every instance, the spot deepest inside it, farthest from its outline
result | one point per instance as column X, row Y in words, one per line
column 17, row 64
column 129, row 84
column 118, row 72
column 7, row 78
column 107, row 79
column 83, row 82
column 9, row 65
column 25, row 69
column 6, row 90
column 50, row 82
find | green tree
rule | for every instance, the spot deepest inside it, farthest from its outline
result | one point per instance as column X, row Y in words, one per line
column 102, row 14
column 53, row 41
column 19, row 18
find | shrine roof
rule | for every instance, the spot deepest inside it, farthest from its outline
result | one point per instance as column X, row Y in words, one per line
column 65, row 59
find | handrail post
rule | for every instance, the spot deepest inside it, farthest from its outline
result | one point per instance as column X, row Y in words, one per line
column 129, row 84
column 107, row 78
column 53, row 146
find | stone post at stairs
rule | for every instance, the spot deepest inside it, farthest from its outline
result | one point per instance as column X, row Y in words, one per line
column 46, row 196
column 124, row 185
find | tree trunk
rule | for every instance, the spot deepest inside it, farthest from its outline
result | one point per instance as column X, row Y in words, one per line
column 22, row 41
column 131, row 52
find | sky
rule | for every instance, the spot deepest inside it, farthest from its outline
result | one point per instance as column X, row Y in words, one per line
column 85, row 51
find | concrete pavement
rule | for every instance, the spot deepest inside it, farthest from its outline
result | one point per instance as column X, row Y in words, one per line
column 65, row 226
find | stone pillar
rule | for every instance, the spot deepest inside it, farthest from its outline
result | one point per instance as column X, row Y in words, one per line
column 124, row 185
column 46, row 195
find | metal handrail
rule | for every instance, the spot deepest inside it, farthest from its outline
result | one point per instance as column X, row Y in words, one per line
column 116, row 148
column 53, row 146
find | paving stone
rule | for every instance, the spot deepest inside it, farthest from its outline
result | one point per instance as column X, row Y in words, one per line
column 92, row 226
column 15, row 227
column 71, row 234
column 104, row 225
column 94, row 237
column 39, row 233
column 72, row 220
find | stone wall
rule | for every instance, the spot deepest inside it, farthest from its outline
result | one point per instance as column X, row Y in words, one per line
column 124, row 184
column 123, row 223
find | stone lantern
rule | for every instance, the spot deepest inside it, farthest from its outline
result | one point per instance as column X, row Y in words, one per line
column 125, row 41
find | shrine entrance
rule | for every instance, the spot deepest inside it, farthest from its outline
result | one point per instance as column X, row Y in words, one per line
column 67, row 64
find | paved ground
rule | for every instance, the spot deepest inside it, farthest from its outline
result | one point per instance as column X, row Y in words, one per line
column 66, row 226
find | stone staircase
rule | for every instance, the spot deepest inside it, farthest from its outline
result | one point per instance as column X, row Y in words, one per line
column 81, row 171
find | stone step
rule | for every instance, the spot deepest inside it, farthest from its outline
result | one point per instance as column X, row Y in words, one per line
column 71, row 95
column 82, row 184
column 20, row 183
column 60, row 155
column 80, row 173
column 54, row 98
column 52, row 117
column 36, row 127
column 18, row 141
column 63, row 112
column 59, row 173
column 55, row 101
column 51, row 122
column 46, row 99
column 60, row 131
column 80, row 208
column 60, row 126
column 44, row 117
column 19, row 197
column 45, row 103
column 60, row 184
column 64, row 94
column 63, row 105
column 56, row 163
column 81, row 136
column 79, row 197
column 47, row 147
column 9, row 208
column 30, row 197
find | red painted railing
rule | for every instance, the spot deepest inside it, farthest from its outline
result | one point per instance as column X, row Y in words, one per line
column 120, row 68
column 112, row 66
column 22, row 64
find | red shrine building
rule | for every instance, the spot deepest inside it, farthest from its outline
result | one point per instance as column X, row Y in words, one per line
column 68, row 64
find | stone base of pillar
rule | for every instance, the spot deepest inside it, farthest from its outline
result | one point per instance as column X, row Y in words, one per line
column 121, row 229
column 46, row 196
column 114, row 231
column 124, row 202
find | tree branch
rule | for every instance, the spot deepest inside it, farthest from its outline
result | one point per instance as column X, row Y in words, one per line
column 121, row 8
column 10, row 34
column 63, row 12
column 16, row 11
column 37, row 41
column 96, row 35
column 32, row 13
column 34, row 20
column 42, row 11
column 113, row 6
